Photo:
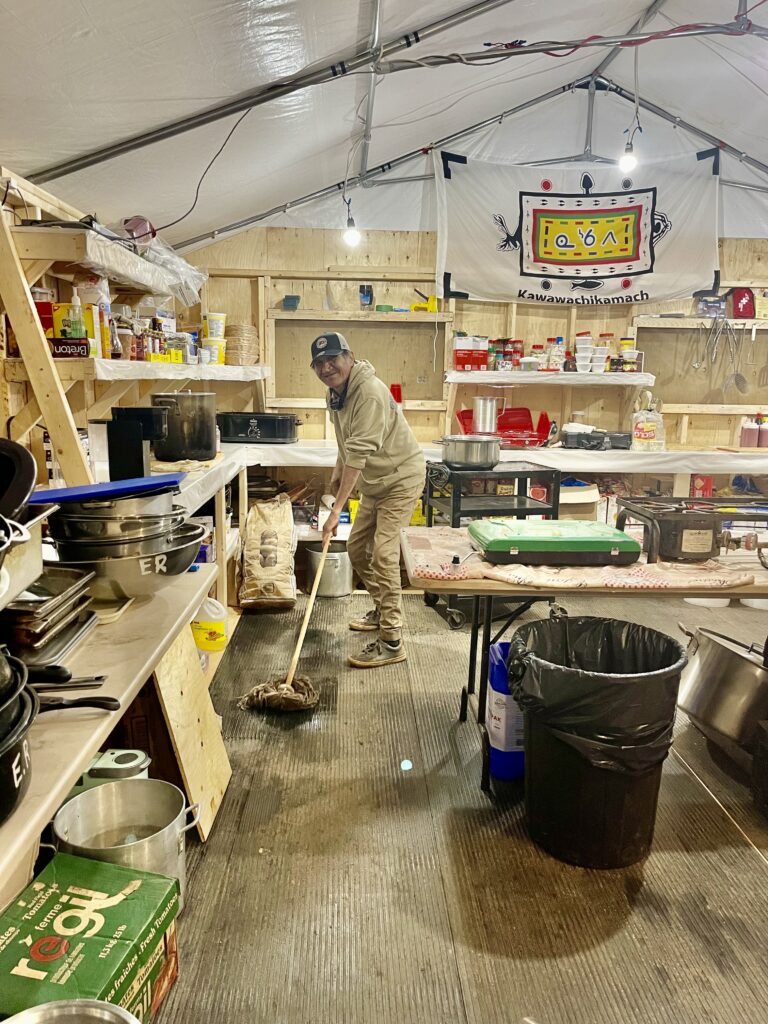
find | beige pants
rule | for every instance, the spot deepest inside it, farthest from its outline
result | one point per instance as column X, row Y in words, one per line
column 374, row 550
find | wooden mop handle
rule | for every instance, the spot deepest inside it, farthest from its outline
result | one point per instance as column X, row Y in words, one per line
column 310, row 605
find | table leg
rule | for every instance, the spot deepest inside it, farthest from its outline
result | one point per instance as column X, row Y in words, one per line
column 220, row 531
column 242, row 501
column 472, row 673
column 484, row 658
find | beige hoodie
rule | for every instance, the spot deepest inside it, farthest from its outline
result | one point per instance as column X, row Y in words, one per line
column 373, row 435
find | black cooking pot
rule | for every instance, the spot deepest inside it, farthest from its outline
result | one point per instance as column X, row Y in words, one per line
column 18, row 473
column 10, row 703
column 15, row 757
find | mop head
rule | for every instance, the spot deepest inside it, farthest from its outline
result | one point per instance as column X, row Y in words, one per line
column 277, row 695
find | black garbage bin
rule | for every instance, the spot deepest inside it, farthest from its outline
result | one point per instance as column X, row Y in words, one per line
column 599, row 697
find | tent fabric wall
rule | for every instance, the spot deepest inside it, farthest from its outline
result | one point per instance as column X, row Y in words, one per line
column 140, row 65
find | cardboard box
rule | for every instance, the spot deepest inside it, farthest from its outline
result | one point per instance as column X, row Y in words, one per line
column 87, row 930
column 579, row 502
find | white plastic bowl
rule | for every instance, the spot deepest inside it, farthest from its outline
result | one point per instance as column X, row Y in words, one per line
column 709, row 602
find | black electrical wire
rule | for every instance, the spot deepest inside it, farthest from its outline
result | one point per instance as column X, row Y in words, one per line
column 212, row 161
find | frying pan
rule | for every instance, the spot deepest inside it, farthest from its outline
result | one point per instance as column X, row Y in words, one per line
column 18, row 473
column 15, row 757
column 10, row 704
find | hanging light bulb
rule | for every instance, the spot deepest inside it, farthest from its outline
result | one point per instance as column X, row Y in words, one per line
column 352, row 236
column 628, row 160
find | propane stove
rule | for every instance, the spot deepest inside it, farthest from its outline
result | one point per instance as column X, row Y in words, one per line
column 694, row 529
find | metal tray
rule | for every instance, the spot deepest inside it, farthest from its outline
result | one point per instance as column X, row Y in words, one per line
column 58, row 649
column 34, row 633
column 50, row 591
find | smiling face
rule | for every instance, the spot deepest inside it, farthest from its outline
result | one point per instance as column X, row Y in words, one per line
column 334, row 371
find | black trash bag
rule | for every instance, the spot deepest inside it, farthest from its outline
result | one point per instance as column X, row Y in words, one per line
column 605, row 687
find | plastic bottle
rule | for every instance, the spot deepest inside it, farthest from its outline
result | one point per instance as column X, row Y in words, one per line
column 115, row 347
column 557, row 355
column 750, row 433
column 76, row 321
column 491, row 354
column 504, row 718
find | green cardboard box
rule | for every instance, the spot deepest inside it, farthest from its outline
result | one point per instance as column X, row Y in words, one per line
column 84, row 929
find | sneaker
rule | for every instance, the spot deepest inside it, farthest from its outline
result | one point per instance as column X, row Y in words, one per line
column 367, row 623
column 378, row 653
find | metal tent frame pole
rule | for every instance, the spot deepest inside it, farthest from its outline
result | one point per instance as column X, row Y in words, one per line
column 376, row 171
column 264, row 94
column 375, row 49
column 644, row 18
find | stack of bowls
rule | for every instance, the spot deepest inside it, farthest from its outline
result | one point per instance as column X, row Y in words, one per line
column 135, row 545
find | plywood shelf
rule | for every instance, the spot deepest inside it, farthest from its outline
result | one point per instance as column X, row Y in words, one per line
column 125, row 369
column 689, row 323
column 413, row 405
column 84, row 248
column 507, row 378
column 347, row 316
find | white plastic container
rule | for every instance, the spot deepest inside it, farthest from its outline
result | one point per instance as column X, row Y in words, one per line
column 709, row 602
column 214, row 325
column 759, row 603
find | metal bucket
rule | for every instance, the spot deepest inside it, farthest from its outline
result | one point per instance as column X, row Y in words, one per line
column 336, row 580
column 74, row 1011
column 139, row 823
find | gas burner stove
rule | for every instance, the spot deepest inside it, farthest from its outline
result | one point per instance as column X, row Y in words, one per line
column 688, row 529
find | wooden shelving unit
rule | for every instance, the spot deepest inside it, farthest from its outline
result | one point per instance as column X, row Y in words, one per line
column 512, row 378
column 367, row 335
column 692, row 323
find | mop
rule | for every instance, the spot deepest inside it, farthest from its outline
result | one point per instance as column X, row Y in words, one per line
column 292, row 692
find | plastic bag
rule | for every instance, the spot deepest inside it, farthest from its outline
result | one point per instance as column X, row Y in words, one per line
column 607, row 688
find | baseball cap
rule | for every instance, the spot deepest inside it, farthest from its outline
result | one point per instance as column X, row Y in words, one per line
column 329, row 344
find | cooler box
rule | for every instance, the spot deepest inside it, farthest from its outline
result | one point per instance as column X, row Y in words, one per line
column 552, row 542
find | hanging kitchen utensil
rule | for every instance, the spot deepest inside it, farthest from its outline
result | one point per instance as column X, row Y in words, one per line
column 699, row 355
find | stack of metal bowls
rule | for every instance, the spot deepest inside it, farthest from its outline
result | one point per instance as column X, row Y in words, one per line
column 135, row 545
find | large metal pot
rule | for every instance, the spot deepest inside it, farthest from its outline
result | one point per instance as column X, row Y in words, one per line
column 470, row 451
column 724, row 687
column 191, row 426
column 336, row 580
column 74, row 1011
column 139, row 823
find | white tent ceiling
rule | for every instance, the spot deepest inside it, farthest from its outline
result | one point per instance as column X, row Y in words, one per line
column 82, row 74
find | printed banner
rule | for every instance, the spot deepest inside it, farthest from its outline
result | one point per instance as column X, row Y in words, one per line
column 584, row 234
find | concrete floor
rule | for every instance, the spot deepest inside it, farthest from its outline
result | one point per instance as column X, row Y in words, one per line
column 340, row 888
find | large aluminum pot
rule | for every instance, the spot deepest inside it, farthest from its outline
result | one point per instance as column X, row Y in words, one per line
column 470, row 451
column 724, row 687
column 74, row 1011
column 191, row 426
column 139, row 823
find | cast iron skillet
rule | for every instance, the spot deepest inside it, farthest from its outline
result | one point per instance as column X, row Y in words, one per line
column 10, row 703
column 15, row 757
column 18, row 473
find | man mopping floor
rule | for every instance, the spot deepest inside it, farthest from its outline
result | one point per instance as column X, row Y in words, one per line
column 379, row 455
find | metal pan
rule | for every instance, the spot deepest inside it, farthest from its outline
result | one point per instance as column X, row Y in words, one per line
column 56, row 586
column 62, row 645
column 31, row 639
column 94, row 551
column 98, row 528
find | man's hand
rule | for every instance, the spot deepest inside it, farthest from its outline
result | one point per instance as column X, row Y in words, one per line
column 331, row 525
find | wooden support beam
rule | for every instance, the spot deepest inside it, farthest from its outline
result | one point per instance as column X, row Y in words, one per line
column 39, row 363
column 34, row 196
column 337, row 273
column 28, row 417
column 111, row 396
column 220, row 535
column 510, row 320
column 35, row 269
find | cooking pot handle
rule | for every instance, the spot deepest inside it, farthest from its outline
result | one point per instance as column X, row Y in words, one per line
column 195, row 808
column 19, row 533
column 692, row 639
column 167, row 403
column 441, row 441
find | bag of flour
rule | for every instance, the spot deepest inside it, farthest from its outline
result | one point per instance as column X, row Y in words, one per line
column 268, row 579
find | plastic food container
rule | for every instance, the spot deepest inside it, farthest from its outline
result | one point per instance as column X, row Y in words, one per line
column 529, row 364
column 214, row 325
column 583, row 364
